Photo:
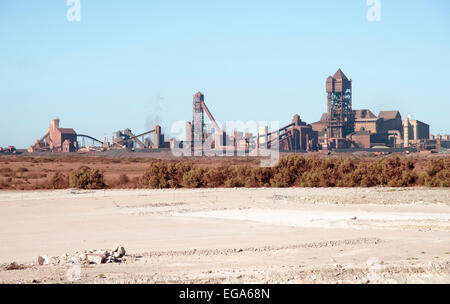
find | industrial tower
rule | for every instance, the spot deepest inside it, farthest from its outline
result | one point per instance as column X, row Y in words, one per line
column 340, row 118
column 198, row 122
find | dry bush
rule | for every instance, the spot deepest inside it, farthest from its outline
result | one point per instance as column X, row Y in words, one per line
column 343, row 172
column 7, row 172
column 238, row 177
column 86, row 178
column 437, row 173
column 194, row 178
column 292, row 170
column 289, row 169
column 397, row 172
column 18, row 184
column 15, row 266
column 163, row 174
column 259, row 177
column 3, row 184
column 215, row 177
column 58, row 181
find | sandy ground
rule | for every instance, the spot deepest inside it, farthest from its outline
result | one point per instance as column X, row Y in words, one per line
column 358, row 235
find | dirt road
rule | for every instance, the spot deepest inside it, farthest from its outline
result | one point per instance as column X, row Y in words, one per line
column 358, row 235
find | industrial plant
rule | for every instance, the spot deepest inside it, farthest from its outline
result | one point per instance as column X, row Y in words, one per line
column 340, row 129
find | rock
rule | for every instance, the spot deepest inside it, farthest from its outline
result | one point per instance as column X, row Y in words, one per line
column 105, row 253
column 43, row 260
column 74, row 260
column 95, row 258
column 118, row 251
column 55, row 260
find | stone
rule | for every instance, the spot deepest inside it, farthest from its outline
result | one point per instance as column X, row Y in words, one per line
column 74, row 260
column 118, row 251
column 95, row 258
column 105, row 253
column 43, row 260
column 55, row 260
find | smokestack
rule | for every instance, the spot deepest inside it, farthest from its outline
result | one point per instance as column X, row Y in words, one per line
column 406, row 133
column 54, row 124
column 158, row 136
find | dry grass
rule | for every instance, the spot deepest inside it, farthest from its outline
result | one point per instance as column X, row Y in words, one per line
column 32, row 173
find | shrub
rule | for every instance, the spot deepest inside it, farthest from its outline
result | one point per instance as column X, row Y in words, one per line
column 238, row 177
column 296, row 170
column 15, row 266
column 59, row 181
column 3, row 184
column 437, row 173
column 86, row 178
column 161, row 174
column 288, row 170
column 260, row 177
column 194, row 178
column 7, row 172
column 343, row 172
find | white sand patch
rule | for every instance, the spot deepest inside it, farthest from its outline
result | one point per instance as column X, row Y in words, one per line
column 320, row 219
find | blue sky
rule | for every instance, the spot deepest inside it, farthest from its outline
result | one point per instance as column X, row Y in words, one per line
column 128, row 63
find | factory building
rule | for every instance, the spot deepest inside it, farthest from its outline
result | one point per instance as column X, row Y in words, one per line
column 340, row 117
column 127, row 140
column 298, row 136
column 392, row 121
column 56, row 139
column 62, row 139
column 343, row 127
column 365, row 120
column 415, row 132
